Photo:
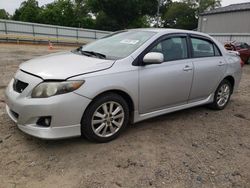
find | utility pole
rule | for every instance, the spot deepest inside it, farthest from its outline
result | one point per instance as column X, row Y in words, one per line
column 158, row 13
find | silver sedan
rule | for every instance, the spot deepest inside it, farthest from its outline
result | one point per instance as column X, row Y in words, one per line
column 129, row 76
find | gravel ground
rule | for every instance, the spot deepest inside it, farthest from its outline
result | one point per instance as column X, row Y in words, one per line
column 197, row 147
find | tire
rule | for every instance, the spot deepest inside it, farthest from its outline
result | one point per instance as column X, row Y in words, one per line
column 105, row 118
column 221, row 98
column 247, row 61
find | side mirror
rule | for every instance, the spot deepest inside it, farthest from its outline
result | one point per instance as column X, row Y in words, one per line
column 153, row 58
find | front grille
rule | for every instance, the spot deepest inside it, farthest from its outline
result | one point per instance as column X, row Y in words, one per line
column 19, row 86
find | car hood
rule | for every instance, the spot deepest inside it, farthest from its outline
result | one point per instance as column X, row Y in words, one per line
column 64, row 65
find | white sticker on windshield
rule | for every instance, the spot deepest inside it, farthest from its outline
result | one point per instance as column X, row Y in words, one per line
column 129, row 41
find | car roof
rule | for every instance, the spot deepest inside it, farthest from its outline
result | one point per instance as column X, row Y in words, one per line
column 169, row 31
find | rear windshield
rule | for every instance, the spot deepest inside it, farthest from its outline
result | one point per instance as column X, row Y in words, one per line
column 119, row 45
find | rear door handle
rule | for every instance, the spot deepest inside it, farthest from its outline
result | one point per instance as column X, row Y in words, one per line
column 187, row 68
column 221, row 63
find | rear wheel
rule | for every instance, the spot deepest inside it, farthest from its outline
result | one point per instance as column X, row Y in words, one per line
column 105, row 118
column 222, row 95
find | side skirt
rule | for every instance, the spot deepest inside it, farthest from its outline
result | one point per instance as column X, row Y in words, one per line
column 140, row 117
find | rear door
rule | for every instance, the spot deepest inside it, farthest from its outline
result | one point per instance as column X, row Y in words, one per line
column 209, row 67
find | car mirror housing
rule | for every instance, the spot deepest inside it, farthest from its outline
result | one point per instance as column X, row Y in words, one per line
column 153, row 58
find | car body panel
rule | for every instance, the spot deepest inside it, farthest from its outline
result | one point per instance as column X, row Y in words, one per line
column 122, row 77
column 63, row 65
column 208, row 74
column 234, row 69
column 140, row 117
column 174, row 82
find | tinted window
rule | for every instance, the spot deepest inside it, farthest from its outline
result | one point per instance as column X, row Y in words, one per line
column 202, row 48
column 172, row 48
column 244, row 45
column 241, row 45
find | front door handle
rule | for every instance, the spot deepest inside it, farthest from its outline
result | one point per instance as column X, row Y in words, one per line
column 187, row 68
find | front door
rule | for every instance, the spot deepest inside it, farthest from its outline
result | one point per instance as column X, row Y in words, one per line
column 167, row 84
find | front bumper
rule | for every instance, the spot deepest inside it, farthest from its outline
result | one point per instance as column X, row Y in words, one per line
column 65, row 110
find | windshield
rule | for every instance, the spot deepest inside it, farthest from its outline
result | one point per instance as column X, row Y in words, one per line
column 118, row 45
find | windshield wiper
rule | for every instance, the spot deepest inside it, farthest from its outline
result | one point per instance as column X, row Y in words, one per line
column 91, row 53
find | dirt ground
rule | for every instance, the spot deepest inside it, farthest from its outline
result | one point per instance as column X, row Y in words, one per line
column 197, row 147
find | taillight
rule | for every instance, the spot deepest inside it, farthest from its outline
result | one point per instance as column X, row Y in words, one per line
column 242, row 63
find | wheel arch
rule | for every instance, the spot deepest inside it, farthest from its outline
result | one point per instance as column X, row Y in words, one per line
column 124, row 95
column 231, row 80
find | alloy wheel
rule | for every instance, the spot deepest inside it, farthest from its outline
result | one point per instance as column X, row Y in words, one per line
column 107, row 119
column 223, row 95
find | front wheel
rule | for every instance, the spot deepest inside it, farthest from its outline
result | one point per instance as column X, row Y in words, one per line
column 222, row 95
column 105, row 118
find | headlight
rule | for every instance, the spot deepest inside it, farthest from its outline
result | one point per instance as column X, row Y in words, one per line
column 48, row 89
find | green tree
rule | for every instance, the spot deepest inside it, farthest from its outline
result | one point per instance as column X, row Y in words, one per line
column 82, row 16
column 204, row 5
column 27, row 12
column 163, row 8
column 4, row 14
column 180, row 15
column 73, row 13
column 60, row 12
column 119, row 14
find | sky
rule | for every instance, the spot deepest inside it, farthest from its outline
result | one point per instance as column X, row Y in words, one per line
column 11, row 5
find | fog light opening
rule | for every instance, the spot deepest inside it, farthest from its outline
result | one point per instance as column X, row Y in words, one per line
column 44, row 121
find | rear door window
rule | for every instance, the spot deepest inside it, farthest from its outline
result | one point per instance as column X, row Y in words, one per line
column 204, row 48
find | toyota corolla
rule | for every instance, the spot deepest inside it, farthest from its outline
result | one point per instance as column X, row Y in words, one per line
column 128, row 76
